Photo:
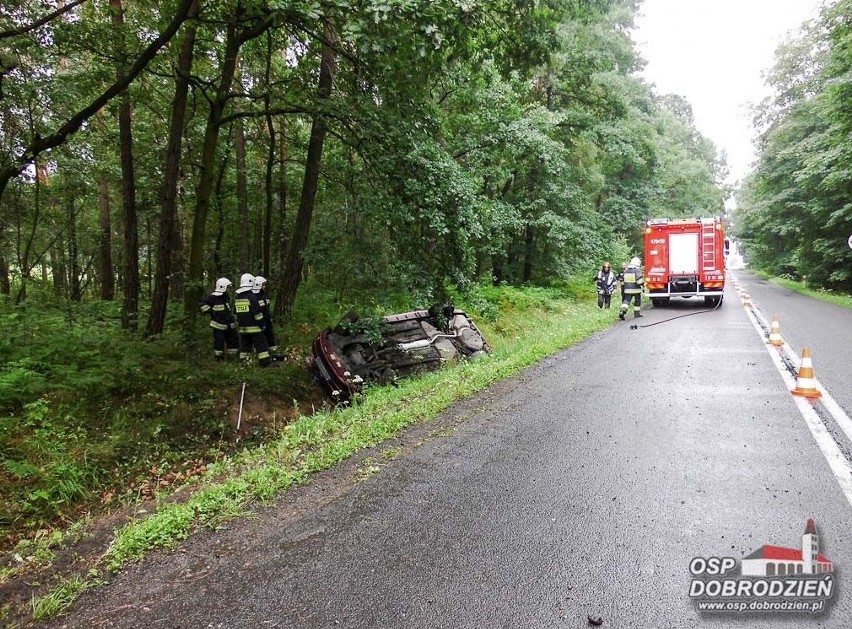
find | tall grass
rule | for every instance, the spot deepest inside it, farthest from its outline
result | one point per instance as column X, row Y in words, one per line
column 61, row 457
column 838, row 299
column 526, row 325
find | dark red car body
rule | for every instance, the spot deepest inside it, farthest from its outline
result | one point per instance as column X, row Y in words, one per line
column 349, row 355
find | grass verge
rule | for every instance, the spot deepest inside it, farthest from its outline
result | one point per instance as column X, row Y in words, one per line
column 523, row 326
column 838, row 299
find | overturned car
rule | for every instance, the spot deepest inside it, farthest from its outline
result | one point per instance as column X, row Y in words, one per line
column 358, row 351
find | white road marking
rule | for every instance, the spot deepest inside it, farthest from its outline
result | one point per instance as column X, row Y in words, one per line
column 838, row 463
column 830, row 404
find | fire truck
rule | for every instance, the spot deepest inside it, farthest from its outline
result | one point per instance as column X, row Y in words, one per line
column 685, row 257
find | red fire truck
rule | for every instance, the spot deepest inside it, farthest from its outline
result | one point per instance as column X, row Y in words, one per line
column 685, row 257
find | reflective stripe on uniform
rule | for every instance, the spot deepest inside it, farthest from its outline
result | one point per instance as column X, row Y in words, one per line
column 218, row 326
column 632, row 283
column 242, row 305
column 220, row 307
column 252, row 329
column 263, row 355
column 258, row 316
column 205, row 307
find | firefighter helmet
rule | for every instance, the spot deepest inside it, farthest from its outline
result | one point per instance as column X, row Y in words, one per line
column 635, row 262
column 222, row 284
column 246, row 280
column 259, row 281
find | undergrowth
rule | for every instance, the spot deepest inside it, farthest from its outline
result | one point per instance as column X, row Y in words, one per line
column 88, row 412
column 827, row 295
column 114, row 409
column 523, row 325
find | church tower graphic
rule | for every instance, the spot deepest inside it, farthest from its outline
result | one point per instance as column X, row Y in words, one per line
column 778, row 561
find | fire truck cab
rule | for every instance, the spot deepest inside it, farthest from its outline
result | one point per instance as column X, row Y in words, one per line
column 685, row 257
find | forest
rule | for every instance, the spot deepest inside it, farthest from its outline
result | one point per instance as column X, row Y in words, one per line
column 369, row 154
column 795, row 209
column 148, row 147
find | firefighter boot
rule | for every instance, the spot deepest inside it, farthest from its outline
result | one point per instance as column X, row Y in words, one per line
column 621, row 314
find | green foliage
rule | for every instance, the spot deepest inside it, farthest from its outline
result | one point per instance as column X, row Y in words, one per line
column 494, row 153
column 845, row 301
column 526, row 325
column 371, row 327
column 60, row 599
column 88, row 409
column 531, row 323
column 20, row 381
column 794, row 215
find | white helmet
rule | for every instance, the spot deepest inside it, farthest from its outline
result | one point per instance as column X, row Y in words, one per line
column 635, row 262
column 222, row 284
column 259, row 281
column 246, row 280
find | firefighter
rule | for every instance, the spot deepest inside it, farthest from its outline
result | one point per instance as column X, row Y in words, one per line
column 250, row 319
column 222, row 322
column 632, row 288
column 605, row 282
column 264, row 302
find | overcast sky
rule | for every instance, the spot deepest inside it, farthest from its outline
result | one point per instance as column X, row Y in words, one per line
column 714, row 53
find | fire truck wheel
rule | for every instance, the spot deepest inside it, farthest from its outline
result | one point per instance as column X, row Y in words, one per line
column 712, row 301
column 659, row 302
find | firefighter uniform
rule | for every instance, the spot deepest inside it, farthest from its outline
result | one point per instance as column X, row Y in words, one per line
column 251, row 323
column 264, row 302
column 605, row 282
column 631, row 289
column 218, row 306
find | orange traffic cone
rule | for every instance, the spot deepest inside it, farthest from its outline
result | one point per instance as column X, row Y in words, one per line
column 775, row 333
column 805, row 382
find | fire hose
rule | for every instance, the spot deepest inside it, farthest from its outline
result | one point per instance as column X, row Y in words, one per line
column 688, row 314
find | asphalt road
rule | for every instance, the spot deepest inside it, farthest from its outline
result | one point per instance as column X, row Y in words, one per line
column 583, row 487
column 823, row 328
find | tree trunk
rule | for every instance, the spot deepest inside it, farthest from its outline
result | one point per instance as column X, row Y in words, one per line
column 5, row 284
column 244, row 252
column 512, row 257
column 58, row 268
column 269, row 183
column 195, row 287
column 292, row 273
column 243, row 240
column 283, row 245
column 23, row 254
column 105, row 256
column 529, row 252
column 130, row 304
column 218, row 268
column 40, row 144
column 178, row 274
column 269, row 187
column 256, row 251
column 171, row 176
column 75, row 293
